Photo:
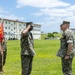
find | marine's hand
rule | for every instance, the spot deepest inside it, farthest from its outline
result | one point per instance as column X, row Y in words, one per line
column 1, row 52
column 28, row 27
column 67, row 57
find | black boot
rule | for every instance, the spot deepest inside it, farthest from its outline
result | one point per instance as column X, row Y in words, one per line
column 1, row 70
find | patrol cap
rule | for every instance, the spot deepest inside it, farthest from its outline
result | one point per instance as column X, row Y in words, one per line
column 29, row 23
column 61, row 25
column 66, row 22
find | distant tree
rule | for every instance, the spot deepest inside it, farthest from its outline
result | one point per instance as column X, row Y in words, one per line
column 55, row 32
column 50, row 35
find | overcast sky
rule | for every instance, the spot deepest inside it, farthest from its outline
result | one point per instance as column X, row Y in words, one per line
column 49, row 13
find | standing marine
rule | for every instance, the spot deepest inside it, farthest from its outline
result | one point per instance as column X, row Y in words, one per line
column 27, row 49
column 66, row 51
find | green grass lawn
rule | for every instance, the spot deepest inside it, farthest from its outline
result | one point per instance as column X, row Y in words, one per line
column 45, row 61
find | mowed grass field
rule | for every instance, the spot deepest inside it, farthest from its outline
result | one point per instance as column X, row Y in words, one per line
column 45, row 61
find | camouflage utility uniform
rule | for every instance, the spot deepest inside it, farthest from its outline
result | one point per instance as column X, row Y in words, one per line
column 67, row 37
column 27, row 53
column 4, row 54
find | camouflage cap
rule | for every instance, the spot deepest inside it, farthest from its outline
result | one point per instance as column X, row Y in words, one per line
column 61, row 25
column 66, row 22
column 29, row 23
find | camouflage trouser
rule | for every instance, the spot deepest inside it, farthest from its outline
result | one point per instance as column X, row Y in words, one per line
column 67, row 66
column 26, row 63
column 4, row 59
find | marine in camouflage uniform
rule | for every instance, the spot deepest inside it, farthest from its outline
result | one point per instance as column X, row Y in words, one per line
column 66, row 49
column 27, row 50
column 2, row 61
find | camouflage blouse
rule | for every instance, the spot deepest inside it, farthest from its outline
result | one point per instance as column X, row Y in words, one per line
column 67, row 37
column 27, row 44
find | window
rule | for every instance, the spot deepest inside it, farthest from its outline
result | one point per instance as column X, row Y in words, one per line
column 24, row 25
column 19, row 29
column 5, row 27
column 14, row 28
column 14, row 23
column 9, row 27
column 19, row 24
column 6, row 22
column 9, row 22
column 5, row 32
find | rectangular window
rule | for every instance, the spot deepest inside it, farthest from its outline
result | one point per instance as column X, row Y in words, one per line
column 5, row 27
column 9, row 22
column 14, row 28
column 6, row 22
column 14, row 23
column 19, row 29
column 24, row 25
column 19, row 24
column 9, row 27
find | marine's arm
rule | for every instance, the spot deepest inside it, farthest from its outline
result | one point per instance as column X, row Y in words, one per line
column 69, row 49
column 69, row 39
column 1, row 49
column 26, row 30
